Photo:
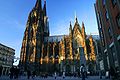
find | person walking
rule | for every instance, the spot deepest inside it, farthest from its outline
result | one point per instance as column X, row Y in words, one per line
column 82, row 70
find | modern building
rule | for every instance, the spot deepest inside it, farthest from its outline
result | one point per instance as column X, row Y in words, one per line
column 108, row 19
column 43, row 53
column 6, row 58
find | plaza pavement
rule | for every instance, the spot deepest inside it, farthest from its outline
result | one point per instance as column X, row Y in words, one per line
column 52, row 78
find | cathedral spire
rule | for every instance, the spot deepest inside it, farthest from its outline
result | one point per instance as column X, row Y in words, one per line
column 83, row 30
column 83, row 25
column 76, row 20
column 44, row 8
column 38, row 5
column 70, row 29
column 70, row 25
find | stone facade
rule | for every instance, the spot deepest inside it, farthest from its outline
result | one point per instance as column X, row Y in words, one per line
column 44, row 53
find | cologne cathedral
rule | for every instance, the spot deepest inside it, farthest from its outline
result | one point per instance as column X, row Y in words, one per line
column 43, row 53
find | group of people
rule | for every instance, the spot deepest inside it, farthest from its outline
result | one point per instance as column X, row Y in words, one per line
column 29, row 74
column 83, row 73
column 63, row 75
column 14, row 72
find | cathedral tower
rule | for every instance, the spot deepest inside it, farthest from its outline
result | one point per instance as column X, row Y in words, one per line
column 37, row 28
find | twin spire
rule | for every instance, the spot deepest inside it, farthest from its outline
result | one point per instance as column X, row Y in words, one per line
column 38, row 6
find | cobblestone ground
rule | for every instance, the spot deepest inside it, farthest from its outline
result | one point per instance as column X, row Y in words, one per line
column 52, row 78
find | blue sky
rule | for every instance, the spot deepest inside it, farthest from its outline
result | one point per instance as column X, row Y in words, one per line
column 14, row 14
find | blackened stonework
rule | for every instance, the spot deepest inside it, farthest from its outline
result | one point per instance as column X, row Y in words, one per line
column 36, row 27
column 48, row 54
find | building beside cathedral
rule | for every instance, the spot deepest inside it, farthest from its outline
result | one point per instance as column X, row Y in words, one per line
column 108, row 19
column 43, row 53
column 6, row 58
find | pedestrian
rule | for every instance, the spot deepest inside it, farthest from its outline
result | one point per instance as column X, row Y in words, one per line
column 33, row 74
column 28, row 74
column 55, row 75
column 78, row 74
column 82, row 70
column 63, row 75
column 17, row 72
column 100, row 73
column 112, row 72
column 1, row 68
column 11, row 72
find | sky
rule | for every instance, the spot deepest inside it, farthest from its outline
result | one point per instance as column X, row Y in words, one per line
column 14, row 15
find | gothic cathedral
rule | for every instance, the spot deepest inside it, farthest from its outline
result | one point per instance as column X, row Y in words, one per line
column 43, row 53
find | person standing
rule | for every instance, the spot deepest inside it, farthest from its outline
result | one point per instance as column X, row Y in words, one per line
column 63, row 75
column 82, row 70
column 112, row 72
column 1, row 68
column 28, row 74
column 33, row 74
column 55, row 75
column 11, row 72
column 100, row 73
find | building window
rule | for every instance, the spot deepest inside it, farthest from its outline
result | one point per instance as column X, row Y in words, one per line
column 114, row 2
column 102, row 38
column 108, row 62
column 118, row 20
column 119, row 42
column 101, row 33
column 106, row 15
column 109, row 33
column 99, row 20
column 103, row 1
column 114, row 56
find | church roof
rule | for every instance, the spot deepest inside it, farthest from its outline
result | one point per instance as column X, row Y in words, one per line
column 54, row 38
column 96, row 37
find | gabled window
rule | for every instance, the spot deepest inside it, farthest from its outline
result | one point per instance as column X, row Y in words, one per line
column 118, row 20
column 106, row 15
column 109, row 33
column 101, row 33
column 102, row 38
